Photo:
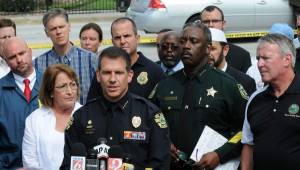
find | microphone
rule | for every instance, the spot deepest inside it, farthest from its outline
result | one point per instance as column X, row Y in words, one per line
column 127, row 162
column 78, row 153
column 102, row 150
column 92, row 163
column 115, row 154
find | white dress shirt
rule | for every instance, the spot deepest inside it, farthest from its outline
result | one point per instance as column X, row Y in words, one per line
column 4, row 69
column 19, row 80
column 174, row 69
column 296, row 42
column 42, row 146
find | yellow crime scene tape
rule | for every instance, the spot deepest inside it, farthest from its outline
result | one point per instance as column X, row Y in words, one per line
column 152, row 39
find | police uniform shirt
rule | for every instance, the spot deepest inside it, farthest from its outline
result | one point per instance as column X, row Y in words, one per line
column 246, row 81
column 217, row 101
column 272, row 126
column 134, row 123
column 146, row 75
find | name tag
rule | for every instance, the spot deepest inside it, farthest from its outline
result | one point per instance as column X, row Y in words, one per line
column 132, row 135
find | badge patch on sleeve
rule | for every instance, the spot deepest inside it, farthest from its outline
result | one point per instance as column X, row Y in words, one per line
column 160, row 120
column 243, row 92
column 132, row 135
column 70, row 123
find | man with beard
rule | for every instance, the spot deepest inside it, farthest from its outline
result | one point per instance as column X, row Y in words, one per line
column 239, row 58
column 200, row 95
column 169, row 51
column 217, row 57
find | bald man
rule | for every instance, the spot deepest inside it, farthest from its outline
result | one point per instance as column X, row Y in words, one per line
column 18, row 98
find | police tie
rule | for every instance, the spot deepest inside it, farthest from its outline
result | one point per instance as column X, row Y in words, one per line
column 169, row 71
column 27, row 91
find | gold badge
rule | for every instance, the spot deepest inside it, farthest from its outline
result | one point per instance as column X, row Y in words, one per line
column 136, row 121
column 70, row 123
column 160, row 120
column 211, row 92
column 142, row 78
column 243, row 92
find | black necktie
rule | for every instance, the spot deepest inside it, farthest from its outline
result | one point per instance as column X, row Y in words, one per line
column 185, row 129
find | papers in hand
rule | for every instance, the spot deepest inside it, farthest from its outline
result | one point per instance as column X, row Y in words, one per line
column 208, row 142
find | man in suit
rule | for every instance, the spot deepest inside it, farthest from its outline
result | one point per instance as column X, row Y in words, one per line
column 169, row 52
column 18, row 98
column 237, row 57
column 217, row 57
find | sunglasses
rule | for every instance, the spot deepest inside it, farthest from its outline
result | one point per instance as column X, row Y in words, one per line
column 167, row 46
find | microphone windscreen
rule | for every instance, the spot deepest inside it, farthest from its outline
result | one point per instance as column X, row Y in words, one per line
column 101, row 140
column 115, row 151
column 78, row 149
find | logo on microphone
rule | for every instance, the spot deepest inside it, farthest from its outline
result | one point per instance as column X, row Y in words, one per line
column 102, row 150
column 114, row 164
column 77, row 163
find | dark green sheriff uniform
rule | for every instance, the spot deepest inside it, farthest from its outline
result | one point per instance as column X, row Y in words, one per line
column 134, row 123
column 212, row 98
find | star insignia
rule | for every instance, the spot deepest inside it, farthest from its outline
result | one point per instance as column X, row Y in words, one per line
column 211, row 92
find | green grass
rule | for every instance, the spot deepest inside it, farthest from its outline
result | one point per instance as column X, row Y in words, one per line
column 86, row 5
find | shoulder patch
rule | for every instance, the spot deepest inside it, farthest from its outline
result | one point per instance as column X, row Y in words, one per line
column 70, row 123
column 243, row 92
column 159, row 118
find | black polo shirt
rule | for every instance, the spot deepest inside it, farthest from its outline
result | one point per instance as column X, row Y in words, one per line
column 275, row 124
column 146, row 75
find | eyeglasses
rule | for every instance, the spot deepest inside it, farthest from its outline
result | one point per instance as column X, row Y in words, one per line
column 167, row 46
column 213, row 21
column 64, row 87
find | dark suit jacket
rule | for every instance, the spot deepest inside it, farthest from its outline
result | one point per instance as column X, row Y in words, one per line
column 238, row 58
column 295, row 3
column 246, row 81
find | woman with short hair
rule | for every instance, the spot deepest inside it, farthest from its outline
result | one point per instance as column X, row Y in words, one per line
column 43, row 140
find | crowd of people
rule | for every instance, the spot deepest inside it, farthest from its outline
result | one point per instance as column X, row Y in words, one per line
column 155, row 111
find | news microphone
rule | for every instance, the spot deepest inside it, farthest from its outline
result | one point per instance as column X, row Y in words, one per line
column 102, row 155
column 115, row 157
column 92, row 163
column 127, row 162
column 78, row 153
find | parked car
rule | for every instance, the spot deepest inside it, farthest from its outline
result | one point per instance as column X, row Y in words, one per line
column 244, row 16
